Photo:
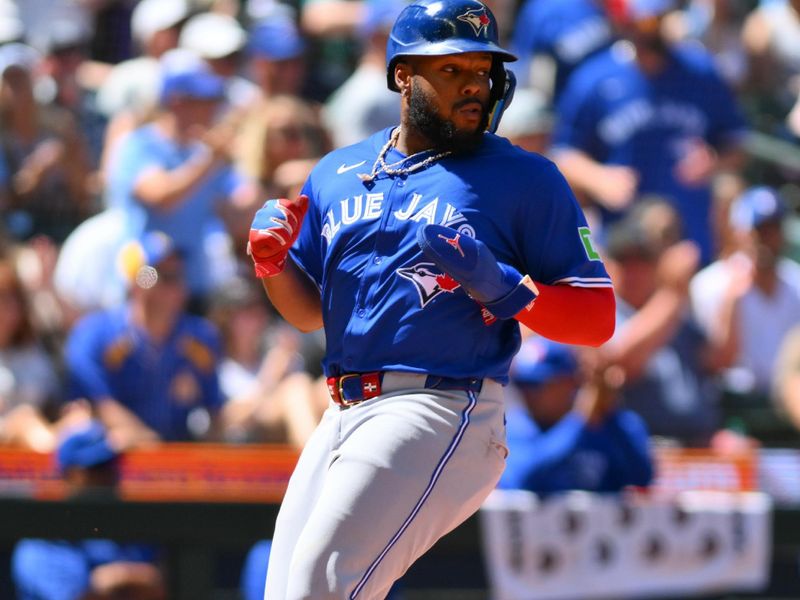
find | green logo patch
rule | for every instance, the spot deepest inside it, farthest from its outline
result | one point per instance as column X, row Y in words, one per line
column 586, row 238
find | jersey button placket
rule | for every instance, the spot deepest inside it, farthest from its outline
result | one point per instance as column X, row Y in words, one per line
column 372, row 274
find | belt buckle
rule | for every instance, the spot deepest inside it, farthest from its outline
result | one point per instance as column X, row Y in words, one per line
column 346, row 403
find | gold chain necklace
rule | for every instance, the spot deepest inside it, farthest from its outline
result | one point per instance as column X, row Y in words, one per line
column 392, row 168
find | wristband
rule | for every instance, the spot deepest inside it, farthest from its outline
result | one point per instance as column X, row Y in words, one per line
column 518, row 299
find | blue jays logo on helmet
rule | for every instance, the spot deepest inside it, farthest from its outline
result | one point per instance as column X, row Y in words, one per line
column 478, row 20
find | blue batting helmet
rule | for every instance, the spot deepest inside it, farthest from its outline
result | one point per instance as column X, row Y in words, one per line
column 439, row 27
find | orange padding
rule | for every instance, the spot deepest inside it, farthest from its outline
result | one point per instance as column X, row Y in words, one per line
column 572, row 315
column 259, row 473
column 168, row 472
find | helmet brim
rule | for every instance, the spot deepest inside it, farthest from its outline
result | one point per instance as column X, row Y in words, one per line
column 443, row 48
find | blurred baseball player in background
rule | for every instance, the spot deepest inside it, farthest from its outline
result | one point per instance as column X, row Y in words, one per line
column 418, row 250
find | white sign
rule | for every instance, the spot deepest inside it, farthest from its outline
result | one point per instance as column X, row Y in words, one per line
column 582, row 546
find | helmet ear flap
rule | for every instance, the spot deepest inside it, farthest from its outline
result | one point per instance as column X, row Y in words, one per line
column 390, row 75
column 503, row 85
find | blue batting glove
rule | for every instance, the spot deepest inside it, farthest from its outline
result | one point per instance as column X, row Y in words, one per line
column 498, row 286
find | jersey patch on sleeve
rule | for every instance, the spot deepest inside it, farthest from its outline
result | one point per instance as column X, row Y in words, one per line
column 586, row 239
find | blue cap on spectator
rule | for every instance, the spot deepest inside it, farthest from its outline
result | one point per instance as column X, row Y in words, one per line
column 85, row 446
column 643, row 9
column 184, row 74
column 381, row 15
column 539, row 360
column 276, row 39
column 756, row 206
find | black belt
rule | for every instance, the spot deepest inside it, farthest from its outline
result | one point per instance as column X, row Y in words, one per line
column 352, row 388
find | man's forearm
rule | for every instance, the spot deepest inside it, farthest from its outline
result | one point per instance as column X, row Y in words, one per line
column 648, row 330
column 580, row 169
column 295, row 297
column 164, row 188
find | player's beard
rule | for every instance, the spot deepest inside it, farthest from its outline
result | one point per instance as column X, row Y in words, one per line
column 654, row 43
column 441, row 132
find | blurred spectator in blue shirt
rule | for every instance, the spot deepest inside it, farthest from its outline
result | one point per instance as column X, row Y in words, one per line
column 553, row 37
column 649, row 117
column 95, row 569
column 149, row 369
column 570, row 434
column 174, row 174
column 276, row 56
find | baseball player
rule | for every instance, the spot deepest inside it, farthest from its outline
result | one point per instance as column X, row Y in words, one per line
column 419, row 250
column 567, row 32
column 646, row 117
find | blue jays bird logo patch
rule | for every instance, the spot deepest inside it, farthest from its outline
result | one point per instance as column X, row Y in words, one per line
column 478, row 19
column 429, row 281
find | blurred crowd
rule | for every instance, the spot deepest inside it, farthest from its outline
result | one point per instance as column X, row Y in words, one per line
column 138, row 138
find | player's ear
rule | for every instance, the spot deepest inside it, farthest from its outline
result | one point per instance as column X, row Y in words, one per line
column 402, row 77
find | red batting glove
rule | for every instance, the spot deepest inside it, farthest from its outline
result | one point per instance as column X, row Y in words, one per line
column 275, row 228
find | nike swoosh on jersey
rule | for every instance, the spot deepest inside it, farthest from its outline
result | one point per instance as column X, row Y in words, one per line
column 345, row 168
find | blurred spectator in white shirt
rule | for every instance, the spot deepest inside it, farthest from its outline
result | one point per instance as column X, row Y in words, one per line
column 748, row 300
column 364, row 104
column 220, row 41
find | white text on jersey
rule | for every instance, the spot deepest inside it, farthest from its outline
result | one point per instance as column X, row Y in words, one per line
column 365, row 207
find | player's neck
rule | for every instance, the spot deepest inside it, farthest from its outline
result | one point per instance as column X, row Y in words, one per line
column 652, row 63
column 411, row 141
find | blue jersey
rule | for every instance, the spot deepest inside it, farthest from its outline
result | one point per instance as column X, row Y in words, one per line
column 189, row 221
column 571, row 455
column 568, row 31
column 109, row 357
column 386, row 307
column 675, row 393
column 617, row 115
column 61, row 570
